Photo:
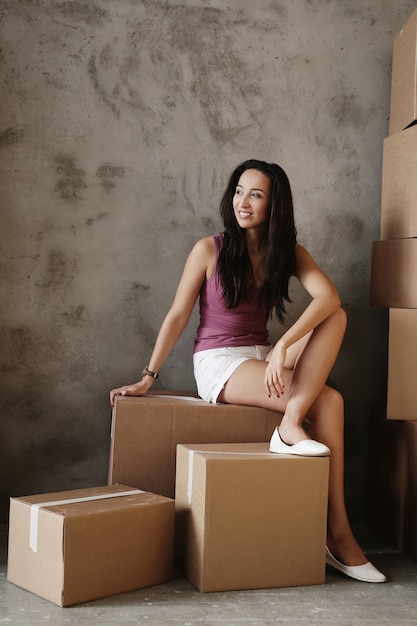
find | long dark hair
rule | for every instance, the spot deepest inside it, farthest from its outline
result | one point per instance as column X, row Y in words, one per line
column 278, row 242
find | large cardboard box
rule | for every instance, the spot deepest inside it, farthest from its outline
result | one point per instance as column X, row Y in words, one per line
column 393, row 273
column 74, row 546
column 146, row 431
column 410, row 510
column 249, row 519
column 388, row 476
column 403, row 110
column 402, row 365
column 399, row 185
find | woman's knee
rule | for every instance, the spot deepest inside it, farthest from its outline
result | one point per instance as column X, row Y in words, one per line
column 334, row 401
column 329, row 402
column 335, row 396
column 340, row 316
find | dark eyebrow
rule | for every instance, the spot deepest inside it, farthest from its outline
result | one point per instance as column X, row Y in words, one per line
column 253, row 188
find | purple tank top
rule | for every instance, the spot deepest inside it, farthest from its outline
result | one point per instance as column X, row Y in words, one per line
column 245, row 325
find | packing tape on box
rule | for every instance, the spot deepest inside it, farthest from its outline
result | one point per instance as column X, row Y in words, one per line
column 191, row 463
column 34, row 511
column 160, row 396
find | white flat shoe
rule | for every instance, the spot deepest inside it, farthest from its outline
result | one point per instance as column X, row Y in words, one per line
column 366, row 573
column 307, row 447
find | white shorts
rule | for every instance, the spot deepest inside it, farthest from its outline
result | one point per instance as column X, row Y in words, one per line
column 214, row 367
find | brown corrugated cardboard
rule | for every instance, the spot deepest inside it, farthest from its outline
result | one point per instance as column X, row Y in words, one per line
column 410, row 513
column 402, row 365
column 403, row 110
column 388, row 476
column 399, row 186
column 74, row 552
column 394, row 481
column 146, row 431
column 249, row 519
column 393, row 273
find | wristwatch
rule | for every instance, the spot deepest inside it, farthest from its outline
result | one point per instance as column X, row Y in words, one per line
column 147, row 372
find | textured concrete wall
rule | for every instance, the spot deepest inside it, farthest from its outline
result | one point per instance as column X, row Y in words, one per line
column 119, row 125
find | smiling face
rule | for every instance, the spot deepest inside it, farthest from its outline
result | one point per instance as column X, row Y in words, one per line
column 251, row 202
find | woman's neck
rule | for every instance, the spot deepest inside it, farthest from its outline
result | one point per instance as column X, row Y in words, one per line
column 256, row 255
column 253, row 239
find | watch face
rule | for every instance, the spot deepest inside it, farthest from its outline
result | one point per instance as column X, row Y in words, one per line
column 147, row 372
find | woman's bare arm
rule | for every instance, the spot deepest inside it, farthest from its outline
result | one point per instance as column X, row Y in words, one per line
column 199, row 265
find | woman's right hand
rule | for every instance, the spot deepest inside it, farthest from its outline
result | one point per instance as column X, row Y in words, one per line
column 274, row 380
column 137, row 389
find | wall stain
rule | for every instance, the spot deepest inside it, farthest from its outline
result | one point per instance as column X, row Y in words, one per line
column 75, row 314
column 26, row 355
column 133, row 298
column 100, row 216
column 157, row 69
column 357, row 273
column 56, row 451
column 77, row 10
column 349, row 226
column 208, row 224
column 106, row 173
column 59, row 272
column 140, row 288
column 106, row 59
column 15, row 343
column 101, row 92
column 10, row 136
column 346, row 108
column 71, row 178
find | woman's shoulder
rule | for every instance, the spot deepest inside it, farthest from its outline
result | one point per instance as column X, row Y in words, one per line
column 206, row 250
column 206, row 244
column 303, row 259
column 301, row 252
column 210, row 244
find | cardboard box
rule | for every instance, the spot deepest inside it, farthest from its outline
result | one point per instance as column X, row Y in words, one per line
column 403, row 110
column 388, row 477
column 402, row 365
column 146, row 431
column 393, row 273
column 249, row 519
column 101, row 544
column 394, row 481
column 399, row 186
column 410, row 510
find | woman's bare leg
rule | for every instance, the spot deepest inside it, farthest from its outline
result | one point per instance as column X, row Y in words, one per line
column 307, row 397
column 307, row 368
column 326, row 417
column 311, row 370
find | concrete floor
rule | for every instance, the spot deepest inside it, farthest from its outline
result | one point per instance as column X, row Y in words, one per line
column 339, row 601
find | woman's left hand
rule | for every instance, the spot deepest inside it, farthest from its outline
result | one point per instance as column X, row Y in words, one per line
column 274, row 380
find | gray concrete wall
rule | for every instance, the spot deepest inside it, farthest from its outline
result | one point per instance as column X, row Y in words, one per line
column 120, row 122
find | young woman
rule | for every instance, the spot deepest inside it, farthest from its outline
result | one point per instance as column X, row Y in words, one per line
column 240, row 276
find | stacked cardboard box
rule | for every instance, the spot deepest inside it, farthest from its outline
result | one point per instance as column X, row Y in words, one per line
column 236, row 482
column 75, row 546
column 71, row 547
column 241, row 517
column 394, row 285
column 146, row 431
